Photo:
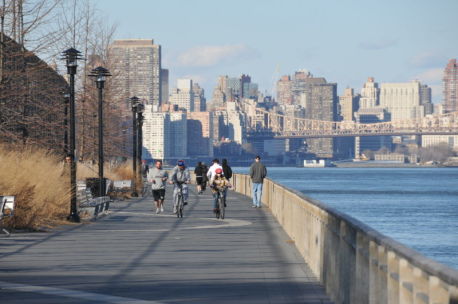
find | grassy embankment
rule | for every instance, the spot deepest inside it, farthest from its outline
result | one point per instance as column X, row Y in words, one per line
column 41, row 186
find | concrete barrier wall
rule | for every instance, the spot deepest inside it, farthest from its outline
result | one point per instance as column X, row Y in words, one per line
column 355, row 263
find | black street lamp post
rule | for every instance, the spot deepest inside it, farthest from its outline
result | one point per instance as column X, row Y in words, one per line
column 135, row 101
column 140, row 109
column 71, row 57
column 100, row 75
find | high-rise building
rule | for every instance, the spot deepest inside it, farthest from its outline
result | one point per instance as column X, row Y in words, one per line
column 136, row 70
column 178, row 135
column 183, row 95
column 425, row 99
column 348, row 105
column 164, row 86
column 200, row 133
column 200, row 103
column 156, row 134
column 402, row 100
column 369, row 94
column 322, row 105
column 284, row 94
column 450, row 81
column 164, row 134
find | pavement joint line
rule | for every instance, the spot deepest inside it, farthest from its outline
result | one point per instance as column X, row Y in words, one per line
column 226, row 223
column 54, row 291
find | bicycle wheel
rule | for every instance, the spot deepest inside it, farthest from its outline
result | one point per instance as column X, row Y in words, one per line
column 179, row 205
column 221, row 206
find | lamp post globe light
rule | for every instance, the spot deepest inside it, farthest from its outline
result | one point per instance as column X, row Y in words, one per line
column 100, row 75
column 71, row 57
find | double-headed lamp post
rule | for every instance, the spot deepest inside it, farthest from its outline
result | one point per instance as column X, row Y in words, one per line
column 71, row 57
column 100, row 75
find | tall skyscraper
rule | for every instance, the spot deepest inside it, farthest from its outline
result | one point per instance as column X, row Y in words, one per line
column 164, row 134
column 156, row 134
column 450, row 81
column 200, row 134
column 136, row 69
column 322, row 105
column 369, row 94
column 164, row 86
column 183, row 95
column 349, row 104
column 284, row 94
column 200, row 103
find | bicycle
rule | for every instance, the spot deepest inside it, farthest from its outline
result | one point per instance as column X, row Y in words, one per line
column 180, row 203
column 220, row 213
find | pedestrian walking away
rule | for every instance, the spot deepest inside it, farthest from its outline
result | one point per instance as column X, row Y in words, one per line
column 257, row 173
column 157, row 178
column 180, row 178
column 204, row 177
column 227, row 171
column 199, row 172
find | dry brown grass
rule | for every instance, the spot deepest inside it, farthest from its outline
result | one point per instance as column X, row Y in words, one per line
column 120, row 172
column 42, row 189
column 35, row 177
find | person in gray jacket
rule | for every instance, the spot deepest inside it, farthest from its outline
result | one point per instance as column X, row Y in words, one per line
column 157, row 178
column 180, row 178
column 257, row 173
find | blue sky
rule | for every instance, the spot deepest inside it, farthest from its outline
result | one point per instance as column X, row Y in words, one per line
column 343, row 41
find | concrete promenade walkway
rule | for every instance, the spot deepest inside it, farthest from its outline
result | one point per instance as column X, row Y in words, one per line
column 136, row 256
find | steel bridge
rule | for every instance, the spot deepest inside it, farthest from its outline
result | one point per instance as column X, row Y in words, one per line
column 268, row 124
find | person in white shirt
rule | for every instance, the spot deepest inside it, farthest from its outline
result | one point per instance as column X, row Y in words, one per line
column 211, row 171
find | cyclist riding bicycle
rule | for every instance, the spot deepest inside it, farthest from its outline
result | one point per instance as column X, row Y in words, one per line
column 219, row 185
column 180, row 178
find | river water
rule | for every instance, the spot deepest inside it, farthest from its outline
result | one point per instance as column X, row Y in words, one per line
column 415, row 206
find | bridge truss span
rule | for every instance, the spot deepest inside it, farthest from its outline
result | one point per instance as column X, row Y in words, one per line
column 283, row 126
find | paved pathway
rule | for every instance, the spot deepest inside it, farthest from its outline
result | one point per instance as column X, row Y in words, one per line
column 136, row 256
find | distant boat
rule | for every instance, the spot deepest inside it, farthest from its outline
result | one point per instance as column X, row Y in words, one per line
column 317, row 163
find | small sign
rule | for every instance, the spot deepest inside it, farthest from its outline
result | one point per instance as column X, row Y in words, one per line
column 122, row 184
column 7, row 205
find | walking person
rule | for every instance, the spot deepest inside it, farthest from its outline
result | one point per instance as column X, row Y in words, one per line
column 257, row 173
column 180, row 178
column 227, row 171
column 204, row 177
column 157, row 178
column 199, row 172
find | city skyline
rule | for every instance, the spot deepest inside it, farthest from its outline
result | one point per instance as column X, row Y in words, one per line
column 345, row 43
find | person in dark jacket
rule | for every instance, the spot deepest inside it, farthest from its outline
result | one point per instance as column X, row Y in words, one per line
column 227, row 171
column 199, row 171
column 257, row 173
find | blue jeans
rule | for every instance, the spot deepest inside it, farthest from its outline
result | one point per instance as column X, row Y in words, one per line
column 257, row 192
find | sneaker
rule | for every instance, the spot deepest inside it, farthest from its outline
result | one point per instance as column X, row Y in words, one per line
column 158, row 210
column 162, row 209
column 225, row 204
column 253, row 206
column 185, row 203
